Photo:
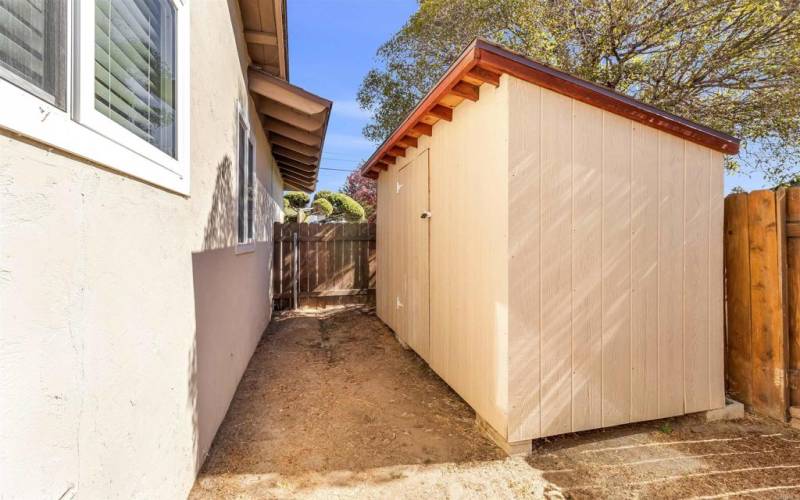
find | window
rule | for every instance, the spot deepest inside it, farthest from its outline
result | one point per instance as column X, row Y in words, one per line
column 33, row 52
column 134, row 56
column 106, row 80
column 246, row 187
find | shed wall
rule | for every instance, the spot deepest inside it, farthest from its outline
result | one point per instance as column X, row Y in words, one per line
column 615, row 268
column 468, row 260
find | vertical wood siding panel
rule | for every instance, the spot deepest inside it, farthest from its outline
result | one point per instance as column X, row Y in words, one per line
column 523, row 268
column 556, row 277
column 695, row 291
column 670, row 275
column 415, row 196
column 439, row 268
column 716, row 327
column 468, row 254
column 586, row 268
column 644, row 269
column 616, row 270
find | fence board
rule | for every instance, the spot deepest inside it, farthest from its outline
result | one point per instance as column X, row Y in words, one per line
column 336, row 264
column 769, row 389
column 793, row 306
column 738, row 352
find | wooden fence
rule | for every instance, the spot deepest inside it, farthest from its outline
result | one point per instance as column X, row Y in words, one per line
column 762, row 281
column 318, row 265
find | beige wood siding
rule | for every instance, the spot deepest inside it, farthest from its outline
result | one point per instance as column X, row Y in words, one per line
column 615, row 269
column 468, row 261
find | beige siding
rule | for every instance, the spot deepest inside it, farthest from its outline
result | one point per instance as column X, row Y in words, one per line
column 606, row 306
column 468, row 282
column 133, row 317
column 615, row 275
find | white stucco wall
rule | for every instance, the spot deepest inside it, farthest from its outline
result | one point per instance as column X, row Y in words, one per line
column 126, row 317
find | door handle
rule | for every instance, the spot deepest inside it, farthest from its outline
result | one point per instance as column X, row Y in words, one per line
column 425, row 215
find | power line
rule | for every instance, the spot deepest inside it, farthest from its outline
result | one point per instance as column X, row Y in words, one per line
column 340, row 159
column 337, row 169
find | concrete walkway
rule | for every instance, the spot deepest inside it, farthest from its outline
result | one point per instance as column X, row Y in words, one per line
column 332, row 407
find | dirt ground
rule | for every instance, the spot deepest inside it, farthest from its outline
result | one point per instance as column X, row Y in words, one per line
column 332, row 407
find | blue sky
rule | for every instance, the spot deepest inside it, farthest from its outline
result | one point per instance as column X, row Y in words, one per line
column 332, row 45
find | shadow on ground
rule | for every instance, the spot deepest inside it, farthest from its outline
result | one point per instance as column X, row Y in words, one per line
column 332, row 406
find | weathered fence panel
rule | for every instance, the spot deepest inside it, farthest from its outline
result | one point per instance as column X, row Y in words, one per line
column 758, row 303
column 329, row 264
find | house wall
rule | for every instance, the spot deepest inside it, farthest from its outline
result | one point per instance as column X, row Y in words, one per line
column 615, row 268
column 468, row 240
column 126, row 316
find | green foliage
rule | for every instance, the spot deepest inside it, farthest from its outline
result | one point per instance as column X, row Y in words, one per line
column 665, row 428
column 296, row 199
column 324, row 195
column 343, row 205
column 347, row 207
column 730, row 64
column 289, row 212
column 322, row 206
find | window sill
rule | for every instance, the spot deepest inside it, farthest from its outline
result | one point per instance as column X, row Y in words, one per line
column 31, row 117
column 244, row 248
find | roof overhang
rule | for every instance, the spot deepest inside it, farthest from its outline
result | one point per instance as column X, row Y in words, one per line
column 266, row 35
column 295, row 122
column 484, row 62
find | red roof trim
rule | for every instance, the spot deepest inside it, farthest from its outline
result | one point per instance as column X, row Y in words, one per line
column 489, row 56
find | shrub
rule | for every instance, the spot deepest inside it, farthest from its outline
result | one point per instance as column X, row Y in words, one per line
column 289, row 212
column 324, row 195
column 296, row 199
column 343, row 205
column 347, row 207
column 322, row 206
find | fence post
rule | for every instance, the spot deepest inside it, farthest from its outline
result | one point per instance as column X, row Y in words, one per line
column 295, row 269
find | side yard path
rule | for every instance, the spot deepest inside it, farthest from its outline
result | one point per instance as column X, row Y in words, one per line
column 332, row 407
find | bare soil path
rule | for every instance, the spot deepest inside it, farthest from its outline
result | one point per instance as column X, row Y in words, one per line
column 332, row 407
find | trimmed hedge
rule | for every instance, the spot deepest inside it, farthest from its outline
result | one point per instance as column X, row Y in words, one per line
column 348, row 207
column 296, row 199
column 289, row 213
column 322, row 206
column 343, row 205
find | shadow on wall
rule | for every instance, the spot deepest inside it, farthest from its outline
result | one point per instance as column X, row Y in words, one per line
column 220, row 226
column 230, row 306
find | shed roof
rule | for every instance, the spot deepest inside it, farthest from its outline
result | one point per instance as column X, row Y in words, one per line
column 484, row 62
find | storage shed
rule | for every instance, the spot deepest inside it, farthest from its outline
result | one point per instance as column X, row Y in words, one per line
column 553, row 249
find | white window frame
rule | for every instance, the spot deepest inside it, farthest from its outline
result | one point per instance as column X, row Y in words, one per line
column 243, row 123
column 82, row 131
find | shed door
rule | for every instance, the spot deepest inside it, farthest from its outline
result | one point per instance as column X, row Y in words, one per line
column 413, row 302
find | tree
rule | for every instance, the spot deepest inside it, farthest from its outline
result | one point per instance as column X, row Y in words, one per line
column 343, row 206
column 364, row 191
column 296, row 199
column 321, row 206
column 733, row 65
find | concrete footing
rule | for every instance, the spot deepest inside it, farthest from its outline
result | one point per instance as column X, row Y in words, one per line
column 731, row 411
column 516, row 448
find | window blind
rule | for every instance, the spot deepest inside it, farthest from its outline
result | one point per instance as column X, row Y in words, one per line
column 33, row 47
column 135, row 67
column 242, row 180
column 250, row 191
